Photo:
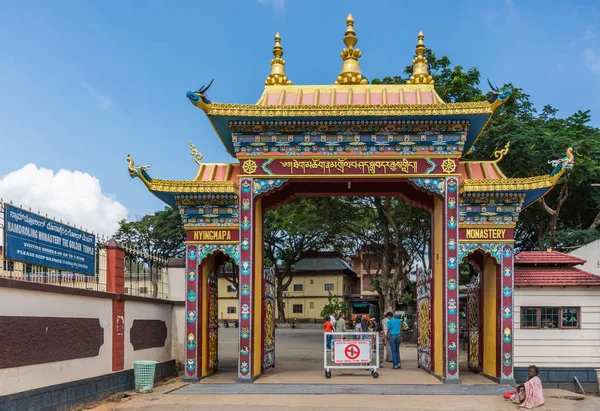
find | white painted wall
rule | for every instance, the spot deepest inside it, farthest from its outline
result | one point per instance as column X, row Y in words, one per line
column 178, row 339
column 15, row 302
column 558, row 348
column 591, row 253
column 135, row 310
column 176, row 283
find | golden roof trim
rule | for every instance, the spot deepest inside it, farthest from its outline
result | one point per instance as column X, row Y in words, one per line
column 193, row 186
column 252, row 110
column 506, row 184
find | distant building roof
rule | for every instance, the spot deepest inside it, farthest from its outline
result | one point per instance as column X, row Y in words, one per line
column 551, row 268
column 547, row 258
column 323, row 262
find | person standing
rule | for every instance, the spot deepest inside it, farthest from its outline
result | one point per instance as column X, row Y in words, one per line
column 328, row 328
column 388, row 352
column 393, row 334
column 332, row 319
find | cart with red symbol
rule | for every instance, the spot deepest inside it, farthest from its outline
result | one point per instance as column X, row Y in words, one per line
column 350, row 350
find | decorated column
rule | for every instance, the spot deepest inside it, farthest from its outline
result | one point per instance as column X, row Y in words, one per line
column 192, row 357
column 246, row 281
column 506, row 296
column 451, row 289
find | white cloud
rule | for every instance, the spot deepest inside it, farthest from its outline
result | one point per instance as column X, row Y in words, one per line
column 102, row 101
column 592, row 61
column 66, row 195
column 276, row 4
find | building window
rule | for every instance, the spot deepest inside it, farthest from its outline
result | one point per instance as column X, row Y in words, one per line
column 529, row 318
column 231, row 310
column 328, row 287
column 230, row 289
column 312, row 281
column 550, row 317
column 143, row 290
column 312, row 305
column 297, row 308
column 297, row 287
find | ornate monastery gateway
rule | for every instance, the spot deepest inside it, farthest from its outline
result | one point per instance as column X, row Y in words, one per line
column 352, row 138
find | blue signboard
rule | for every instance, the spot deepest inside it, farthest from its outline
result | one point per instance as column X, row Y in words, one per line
column 33, row 239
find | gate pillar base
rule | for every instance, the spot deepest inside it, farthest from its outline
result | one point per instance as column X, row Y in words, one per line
column 190, row 379
column 507, row 381
column 448, row 381
column 247, row 380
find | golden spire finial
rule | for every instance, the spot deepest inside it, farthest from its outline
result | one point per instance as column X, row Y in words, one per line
column 420, row 74
column 350, row 73
column 194, row 152
column 277, row 76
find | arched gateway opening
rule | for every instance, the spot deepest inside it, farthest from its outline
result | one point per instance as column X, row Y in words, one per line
column 352, row 138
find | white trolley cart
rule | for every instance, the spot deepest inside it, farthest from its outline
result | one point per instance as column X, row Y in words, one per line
column 349, row 350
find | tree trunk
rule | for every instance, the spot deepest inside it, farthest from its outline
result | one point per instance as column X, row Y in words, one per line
column 280, row 308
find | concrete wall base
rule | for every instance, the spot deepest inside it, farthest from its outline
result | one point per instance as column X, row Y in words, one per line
column 563, row 378
column 68, row 395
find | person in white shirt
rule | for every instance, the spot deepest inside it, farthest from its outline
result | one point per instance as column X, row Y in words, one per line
column 332, row 319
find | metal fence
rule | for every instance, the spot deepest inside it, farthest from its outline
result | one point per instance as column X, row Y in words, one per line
column 145, row 274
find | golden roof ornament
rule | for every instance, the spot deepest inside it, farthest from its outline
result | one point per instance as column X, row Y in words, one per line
column 277, row 76
column 350, row 73
column 194, row 152
column 420, row 74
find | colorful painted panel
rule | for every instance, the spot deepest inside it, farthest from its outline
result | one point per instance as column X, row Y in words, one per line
column 491, row 208
column 246, row 281
column 493, row 249
column 231, row 250
column 213, row 321
column 294, row 138
column 424, row 319
column 269, row 315
column 322, row 166
column 452, row 328
column 191, row 308
column 434, row 185
column 474, row 324
column 507, row 281
column 262, row 186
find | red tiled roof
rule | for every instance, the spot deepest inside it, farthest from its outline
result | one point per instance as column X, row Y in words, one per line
column 546, row 257
column 528, row 276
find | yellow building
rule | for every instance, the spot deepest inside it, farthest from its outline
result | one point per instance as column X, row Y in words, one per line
column 315, row 278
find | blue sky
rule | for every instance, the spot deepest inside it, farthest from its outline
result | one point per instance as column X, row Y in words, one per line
column 85, row 83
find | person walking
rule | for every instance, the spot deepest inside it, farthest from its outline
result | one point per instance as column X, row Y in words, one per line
column 393, row 336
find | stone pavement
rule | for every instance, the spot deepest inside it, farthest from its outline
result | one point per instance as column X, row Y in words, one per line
column 299, row 384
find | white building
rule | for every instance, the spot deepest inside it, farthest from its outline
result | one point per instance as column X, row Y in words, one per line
column 556, row 320
column 591, row 253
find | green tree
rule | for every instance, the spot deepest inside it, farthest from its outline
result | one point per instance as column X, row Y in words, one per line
column 567, row 216
column 335, row 305
column 160, row 234
column 292, row 230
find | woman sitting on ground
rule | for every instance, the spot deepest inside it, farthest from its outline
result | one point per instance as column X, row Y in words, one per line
column 529, row 395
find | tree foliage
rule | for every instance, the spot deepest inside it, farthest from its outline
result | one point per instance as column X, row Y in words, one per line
column 160, row 234
column 569, row 215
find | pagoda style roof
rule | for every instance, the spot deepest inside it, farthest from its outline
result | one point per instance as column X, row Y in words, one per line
column 350, row 96
column 486, row 176
column 210, row 178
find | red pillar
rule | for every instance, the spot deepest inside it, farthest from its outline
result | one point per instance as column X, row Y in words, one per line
column 451, row 331
column 115, row 283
